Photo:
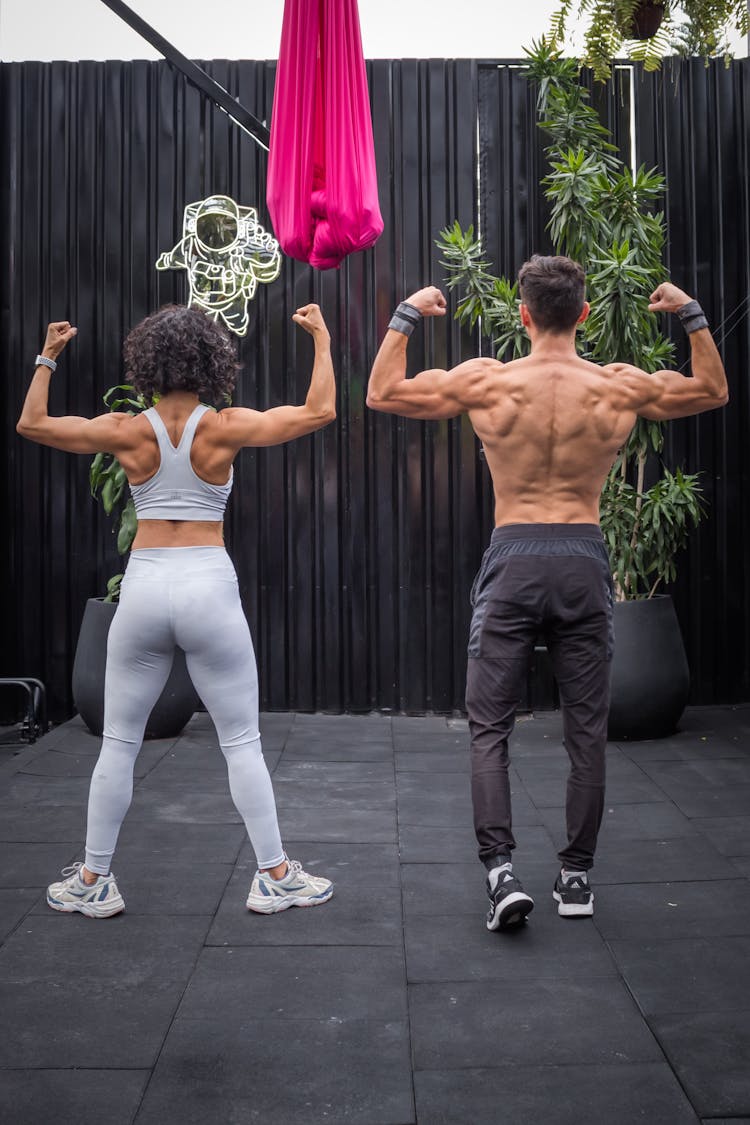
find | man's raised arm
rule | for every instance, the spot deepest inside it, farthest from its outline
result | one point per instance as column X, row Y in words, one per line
column 433, row 394
column 668, row 394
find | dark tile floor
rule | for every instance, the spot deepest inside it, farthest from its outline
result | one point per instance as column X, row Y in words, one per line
column 392, row 1003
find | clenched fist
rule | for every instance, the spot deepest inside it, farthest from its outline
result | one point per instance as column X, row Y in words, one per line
column 429, row 301
column 311, row 319
column 58, row 335
column 668, row 298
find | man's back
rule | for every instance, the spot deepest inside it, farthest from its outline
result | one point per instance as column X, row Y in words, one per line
column 551, row 427
column 551, row 423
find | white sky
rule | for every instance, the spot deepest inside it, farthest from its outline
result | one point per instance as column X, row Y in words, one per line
column 250, row 29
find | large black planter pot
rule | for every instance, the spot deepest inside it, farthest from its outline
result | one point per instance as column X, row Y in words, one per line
column 650, row 675
column 172, row 709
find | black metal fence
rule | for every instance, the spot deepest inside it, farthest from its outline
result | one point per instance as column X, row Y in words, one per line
column 355, row 547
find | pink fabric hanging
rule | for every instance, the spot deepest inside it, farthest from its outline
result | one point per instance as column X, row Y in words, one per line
column 322, row 191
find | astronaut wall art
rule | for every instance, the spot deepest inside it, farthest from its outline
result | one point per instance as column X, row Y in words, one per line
column 226, row 253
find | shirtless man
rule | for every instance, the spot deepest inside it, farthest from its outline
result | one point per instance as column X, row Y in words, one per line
column 551, row 425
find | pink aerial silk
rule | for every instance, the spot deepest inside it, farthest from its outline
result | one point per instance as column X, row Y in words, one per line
column 322, row 191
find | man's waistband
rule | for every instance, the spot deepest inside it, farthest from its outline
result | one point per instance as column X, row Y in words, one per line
column 512, row 532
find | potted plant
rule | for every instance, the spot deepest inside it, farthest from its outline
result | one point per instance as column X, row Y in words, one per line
column 653, row 28
column 179, row 700
column 605, row 217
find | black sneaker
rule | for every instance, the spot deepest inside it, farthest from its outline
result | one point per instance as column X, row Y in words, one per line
column 573, row 894
column 509, row 903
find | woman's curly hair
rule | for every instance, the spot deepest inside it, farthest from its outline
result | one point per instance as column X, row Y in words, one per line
column 181, row 349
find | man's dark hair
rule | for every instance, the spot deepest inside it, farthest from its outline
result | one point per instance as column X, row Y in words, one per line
column 181, row 349
column 554, row 289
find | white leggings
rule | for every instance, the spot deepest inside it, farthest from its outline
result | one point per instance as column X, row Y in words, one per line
column 186, row 596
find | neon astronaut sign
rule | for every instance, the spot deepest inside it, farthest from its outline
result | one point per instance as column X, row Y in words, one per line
column 226, row 253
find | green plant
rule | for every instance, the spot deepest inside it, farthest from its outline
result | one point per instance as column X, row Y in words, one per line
column 108, row 483
column 689, row 27
column 604, row 216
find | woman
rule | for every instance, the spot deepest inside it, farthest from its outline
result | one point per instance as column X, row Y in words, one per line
column 180, row 587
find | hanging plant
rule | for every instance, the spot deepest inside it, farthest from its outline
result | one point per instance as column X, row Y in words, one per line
column 650, row 28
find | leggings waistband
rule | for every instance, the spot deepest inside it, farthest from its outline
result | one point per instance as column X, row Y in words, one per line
column 179, row 563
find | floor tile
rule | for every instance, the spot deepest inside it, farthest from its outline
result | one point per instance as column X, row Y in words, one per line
column 434, row 843
column 165, row 842
column 424, row 742
column 54, row 764
column 419, row 725
column 461, row 1025
column 458, row 844
column 434, row 761
column 719, row 772
column 304, row 748
column 359, row 728
column 619, row 1094
column 689, row 975
column 689, row 860
column 436, row 889
column 730, row 835
column 63, row 1016
column 348, row 825
column 38, row 824
column 333, row 983
column 15, row 905
column 365, row 908
column 358, row 785
column 350, row 1071
column 46, row 792
column 709, row 1052
column 207, row 758
column 662, row 911
column 34, row 865
column 626, row 784
column 445, row 799
column 195, row 802
column 685, row 747
column 38, row 1097
column 545, row 947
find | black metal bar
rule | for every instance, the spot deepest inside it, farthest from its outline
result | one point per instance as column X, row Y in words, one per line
column 222, row 98
column 36, row 714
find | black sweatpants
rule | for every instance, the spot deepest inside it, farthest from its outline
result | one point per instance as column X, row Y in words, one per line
column 553, row 581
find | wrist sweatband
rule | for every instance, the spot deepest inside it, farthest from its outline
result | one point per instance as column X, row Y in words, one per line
column 692, row 317
column 42, row 361
column 405, row 319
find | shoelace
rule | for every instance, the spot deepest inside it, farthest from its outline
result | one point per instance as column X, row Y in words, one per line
column 69, row 873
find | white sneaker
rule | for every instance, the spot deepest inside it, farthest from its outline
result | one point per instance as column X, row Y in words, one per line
column 297, row 888
column 100, row 900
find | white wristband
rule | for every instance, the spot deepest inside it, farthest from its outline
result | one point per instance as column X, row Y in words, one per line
column 42, row 361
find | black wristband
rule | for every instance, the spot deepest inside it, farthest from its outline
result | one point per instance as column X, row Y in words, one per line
column 692, row 317
column 405, row 319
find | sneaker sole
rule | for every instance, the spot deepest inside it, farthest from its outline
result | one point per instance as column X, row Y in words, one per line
column 511, row 911
column 276, row 905
column 89, row 909
column 573, row 909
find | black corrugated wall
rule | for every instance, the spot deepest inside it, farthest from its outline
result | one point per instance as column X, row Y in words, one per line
column 356, row 547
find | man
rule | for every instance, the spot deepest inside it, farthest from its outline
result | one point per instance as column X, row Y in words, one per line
column 551, row 425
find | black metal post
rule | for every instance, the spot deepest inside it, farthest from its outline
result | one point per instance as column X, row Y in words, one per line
column 221, row 97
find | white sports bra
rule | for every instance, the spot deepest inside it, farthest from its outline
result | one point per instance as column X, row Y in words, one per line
column 175, row 491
